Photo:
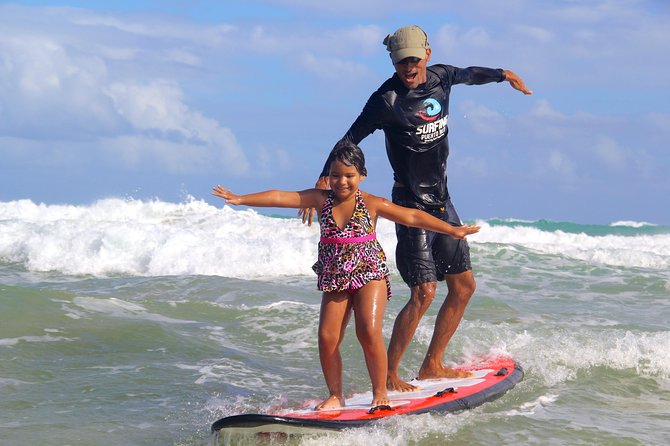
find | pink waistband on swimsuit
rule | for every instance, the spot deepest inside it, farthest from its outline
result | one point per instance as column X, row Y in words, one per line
column 341, row 240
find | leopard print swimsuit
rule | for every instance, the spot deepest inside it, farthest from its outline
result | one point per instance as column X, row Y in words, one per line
column 350, row 257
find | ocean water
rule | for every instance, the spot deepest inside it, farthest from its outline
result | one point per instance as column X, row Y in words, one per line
column 132, row 322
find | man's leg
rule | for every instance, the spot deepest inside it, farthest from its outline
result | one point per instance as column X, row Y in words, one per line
column 403, row 332
column 461, row 288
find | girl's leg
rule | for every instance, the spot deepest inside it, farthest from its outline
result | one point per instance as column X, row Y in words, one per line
column 369, row 304
column 335, row 312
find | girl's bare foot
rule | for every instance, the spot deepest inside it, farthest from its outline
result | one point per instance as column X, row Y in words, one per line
column 332, row 402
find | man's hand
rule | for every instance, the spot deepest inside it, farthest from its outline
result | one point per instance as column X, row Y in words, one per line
column 307, row 214
column 516, row 82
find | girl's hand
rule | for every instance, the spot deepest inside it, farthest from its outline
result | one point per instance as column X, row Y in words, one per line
column 227, row 195
column 307, row 214
column 463, row 231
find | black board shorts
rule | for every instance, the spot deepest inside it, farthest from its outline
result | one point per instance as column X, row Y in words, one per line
column 424, row 256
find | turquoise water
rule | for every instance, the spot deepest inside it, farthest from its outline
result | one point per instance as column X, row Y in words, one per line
column 141, row 323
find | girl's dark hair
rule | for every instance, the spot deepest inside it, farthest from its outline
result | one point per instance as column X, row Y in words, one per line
column 348, row 153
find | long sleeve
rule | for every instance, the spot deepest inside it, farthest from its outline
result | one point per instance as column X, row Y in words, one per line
column 471, row 75
column 367, row 122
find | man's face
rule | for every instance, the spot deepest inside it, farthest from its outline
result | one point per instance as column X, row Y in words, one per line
column 412, row 70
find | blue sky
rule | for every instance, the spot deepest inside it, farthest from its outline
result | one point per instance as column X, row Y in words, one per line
column 164, row 99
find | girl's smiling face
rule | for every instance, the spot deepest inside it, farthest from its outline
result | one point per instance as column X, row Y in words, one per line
column 344, row 179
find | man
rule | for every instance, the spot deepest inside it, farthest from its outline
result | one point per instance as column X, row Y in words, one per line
column 412, row 109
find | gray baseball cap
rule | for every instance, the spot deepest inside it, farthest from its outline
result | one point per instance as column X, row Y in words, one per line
column 408, row 41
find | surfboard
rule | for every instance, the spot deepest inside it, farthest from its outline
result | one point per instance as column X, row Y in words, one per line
column 489, row 380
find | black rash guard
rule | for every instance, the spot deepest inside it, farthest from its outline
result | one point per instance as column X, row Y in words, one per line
column 415, row 126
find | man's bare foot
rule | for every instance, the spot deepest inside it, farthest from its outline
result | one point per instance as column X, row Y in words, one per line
column 393, row 382
column 443, row 372
column 332, row 402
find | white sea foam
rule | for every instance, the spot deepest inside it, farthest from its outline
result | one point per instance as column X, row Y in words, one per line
column 644, row 251
column 557, row 355
column 153, row 238
column 632, row 224
column 10, row 342
column 9, row 382
column 530, row 408
column 122, row 309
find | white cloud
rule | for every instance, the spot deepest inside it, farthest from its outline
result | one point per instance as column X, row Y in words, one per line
column 542, row 109
column 478, row 37
column 332, row 68
column 117, row 53
column 47, row 90
column 354, row 42
column 159, row 106
column 71, row 82
column 148, row 152
column 482, row 119
column 357, row 40
column 536, row 33
column 446, row 38
column 560, row 163
column 474, row 166
column 346, row 7
column 272, row 160
column 148, row 27
column 264, row 41
column 660, row 123
column 610, row 153
column 183, row 56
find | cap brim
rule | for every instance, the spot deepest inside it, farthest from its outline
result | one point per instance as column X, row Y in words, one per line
column 404, row 53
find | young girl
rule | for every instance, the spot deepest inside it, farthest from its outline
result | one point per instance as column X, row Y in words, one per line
column 351, row 267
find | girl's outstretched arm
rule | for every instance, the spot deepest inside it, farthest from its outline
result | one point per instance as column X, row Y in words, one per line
column 273, row 198
column 417, row 218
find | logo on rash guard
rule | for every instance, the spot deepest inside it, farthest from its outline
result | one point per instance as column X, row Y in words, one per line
column 434, row 128
column 432, row 110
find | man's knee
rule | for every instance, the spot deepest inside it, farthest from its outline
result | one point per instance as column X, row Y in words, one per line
column 462, row 286
column 469, row 287
column 423, row 295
